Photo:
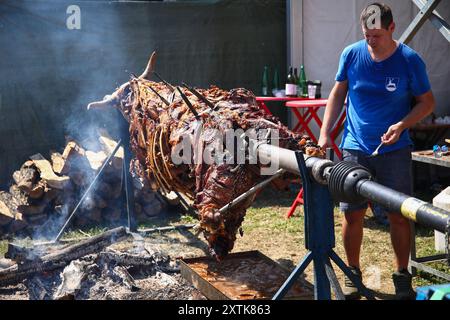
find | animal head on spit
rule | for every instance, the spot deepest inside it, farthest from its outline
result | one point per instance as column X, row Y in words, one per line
column 114, row 99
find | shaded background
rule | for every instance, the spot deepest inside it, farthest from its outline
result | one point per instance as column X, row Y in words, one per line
column 50, row 73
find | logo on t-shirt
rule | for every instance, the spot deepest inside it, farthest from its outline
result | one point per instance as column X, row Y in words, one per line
column 392, row 84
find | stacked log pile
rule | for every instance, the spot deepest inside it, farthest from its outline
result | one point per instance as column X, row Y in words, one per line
column 47, row 191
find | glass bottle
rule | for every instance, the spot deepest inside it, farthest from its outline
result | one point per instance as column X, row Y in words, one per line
column 303, row 82
column 291, row 86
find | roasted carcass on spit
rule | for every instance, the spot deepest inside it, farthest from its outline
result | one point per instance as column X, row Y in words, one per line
column 161, row 120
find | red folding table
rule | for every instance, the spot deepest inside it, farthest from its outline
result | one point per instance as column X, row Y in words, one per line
column 311, row 107
column 262, row 101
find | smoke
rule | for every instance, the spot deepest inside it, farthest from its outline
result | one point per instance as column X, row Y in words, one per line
column 50, row 228
column 59, row 56
column 69, row 54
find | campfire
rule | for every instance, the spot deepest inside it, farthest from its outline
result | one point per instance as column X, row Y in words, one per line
column 94, row 269
column 161, row 118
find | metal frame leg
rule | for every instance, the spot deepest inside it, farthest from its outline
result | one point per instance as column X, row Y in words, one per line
column 86, row 193
column 293, row 276
column 319, row 240
column 322, row 290
column 129, row 195
column 333, row 280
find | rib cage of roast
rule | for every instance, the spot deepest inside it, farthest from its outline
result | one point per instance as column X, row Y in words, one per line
column 159, row 118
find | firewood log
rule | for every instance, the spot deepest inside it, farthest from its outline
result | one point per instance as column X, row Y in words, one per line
column 116, row 191
column 81, row 220
column 31, row 210
column 100, row 202
column 17, row 224
column 95, row 215
column 111, row 214
column 147, row 197
column 37, row 219
column 6, row 214
column 96, row 159
column 104, row 189
column 26, row 177
column 37, row 191
column 60, row 258
column 108, row 145
column 9, row 214
column 79, row 178
column 47, row 174
column 72, row 149
column 18, row 197
column 59, row 164
column 88, row 203
column 153, row 209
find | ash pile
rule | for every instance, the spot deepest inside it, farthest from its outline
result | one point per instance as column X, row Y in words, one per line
column 114, row 265
column 45, row 192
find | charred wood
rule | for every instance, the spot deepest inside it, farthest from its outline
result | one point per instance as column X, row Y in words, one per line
column 61, row 257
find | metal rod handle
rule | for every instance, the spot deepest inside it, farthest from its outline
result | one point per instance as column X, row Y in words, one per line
column 87, row 191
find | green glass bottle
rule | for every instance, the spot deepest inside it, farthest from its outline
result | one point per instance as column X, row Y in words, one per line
column 291, row 86
column 265, row 82
column 297, row 83
column 303, row 82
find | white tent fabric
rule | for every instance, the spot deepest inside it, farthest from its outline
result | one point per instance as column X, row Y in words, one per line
column 323, row 28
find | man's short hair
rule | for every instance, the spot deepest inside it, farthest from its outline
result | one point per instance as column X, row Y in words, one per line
column 385, row 12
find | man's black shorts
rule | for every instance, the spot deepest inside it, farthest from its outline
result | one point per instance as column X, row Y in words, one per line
column 391, row 169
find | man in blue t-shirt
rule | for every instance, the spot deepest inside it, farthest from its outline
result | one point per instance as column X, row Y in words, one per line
column 388, row 92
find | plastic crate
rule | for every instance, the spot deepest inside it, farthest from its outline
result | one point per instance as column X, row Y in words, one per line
column 436, row 292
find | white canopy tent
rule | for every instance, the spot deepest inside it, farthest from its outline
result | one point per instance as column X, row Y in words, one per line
column 318, row 31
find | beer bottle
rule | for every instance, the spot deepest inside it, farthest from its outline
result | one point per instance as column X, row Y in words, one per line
column 291, row 86
column 265, row 82
column 303, row 82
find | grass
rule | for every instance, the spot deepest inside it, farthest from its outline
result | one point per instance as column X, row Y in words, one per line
column 266, row 229
column 79, row 233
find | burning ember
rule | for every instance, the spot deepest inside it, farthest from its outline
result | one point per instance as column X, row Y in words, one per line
column 112, row 265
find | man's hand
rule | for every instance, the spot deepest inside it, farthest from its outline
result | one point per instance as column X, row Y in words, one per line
column 324, row 141
column 393, row 134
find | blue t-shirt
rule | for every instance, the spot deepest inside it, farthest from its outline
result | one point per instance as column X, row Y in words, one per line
column 379, row 94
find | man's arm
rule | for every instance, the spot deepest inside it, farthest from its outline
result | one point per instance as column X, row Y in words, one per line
column 335, row 103
column 424, row 106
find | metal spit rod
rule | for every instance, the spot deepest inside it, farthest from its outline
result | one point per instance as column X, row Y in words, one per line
column 251, row 191
column 412, row 208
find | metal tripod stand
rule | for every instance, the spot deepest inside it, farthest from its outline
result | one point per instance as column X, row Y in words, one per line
column 319, row 241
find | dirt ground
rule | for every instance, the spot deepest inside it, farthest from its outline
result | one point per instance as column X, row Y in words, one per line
column 267, row 230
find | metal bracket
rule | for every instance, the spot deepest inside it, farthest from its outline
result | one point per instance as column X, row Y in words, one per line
column 436, row 19
column 425, row 12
